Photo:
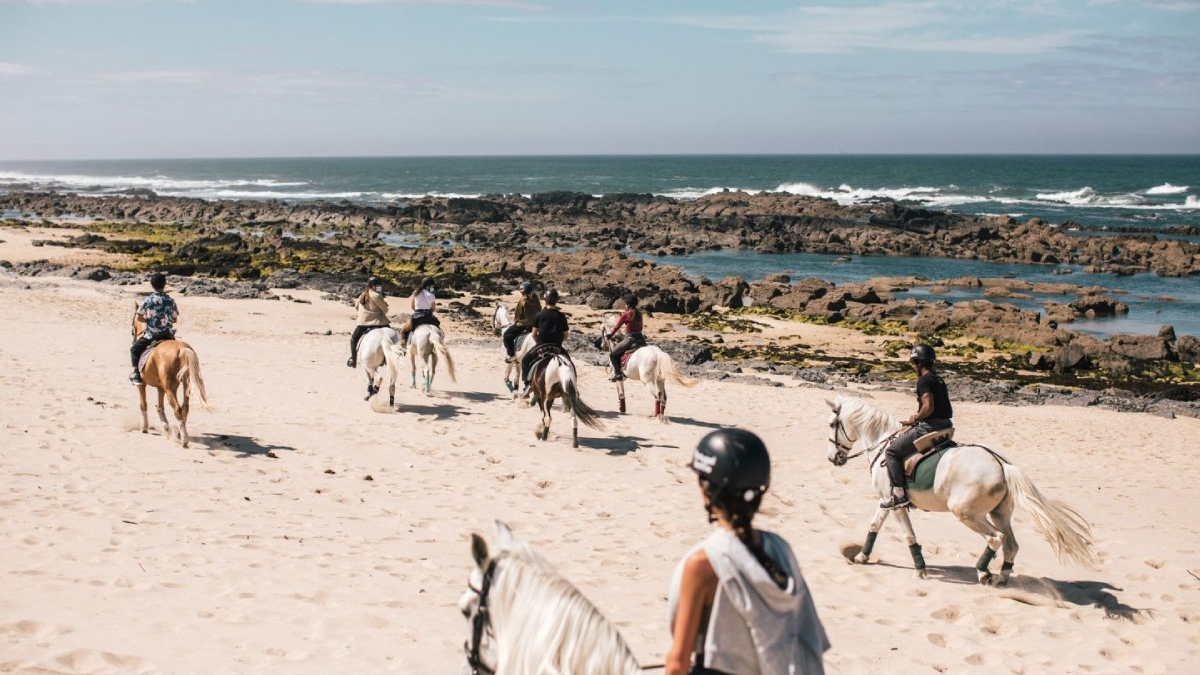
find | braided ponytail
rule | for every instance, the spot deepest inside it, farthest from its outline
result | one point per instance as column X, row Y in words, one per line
column 741, row 513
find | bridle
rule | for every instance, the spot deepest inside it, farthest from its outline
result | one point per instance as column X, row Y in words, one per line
column 480, row 624
column 843, row 449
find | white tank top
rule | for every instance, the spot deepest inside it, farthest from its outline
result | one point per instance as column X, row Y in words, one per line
column 423, row 300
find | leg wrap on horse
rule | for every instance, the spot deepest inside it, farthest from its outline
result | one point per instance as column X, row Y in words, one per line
column 918, row 559
column 985, row 559
column 869, row 544
column 1006, row 566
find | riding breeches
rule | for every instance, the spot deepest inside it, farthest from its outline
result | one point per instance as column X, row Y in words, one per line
column 902, row 446
column 510, row 337
column 140, row 345
column 620, row 348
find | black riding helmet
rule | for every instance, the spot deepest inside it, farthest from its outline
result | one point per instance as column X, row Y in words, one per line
column 630, row 300
column 526, row 287
column 922, row 354
column 374, row 281
column 427, row 282
column 551, row 296
column 733, row 462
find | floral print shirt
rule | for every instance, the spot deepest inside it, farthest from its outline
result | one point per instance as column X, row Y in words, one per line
column 160, row 313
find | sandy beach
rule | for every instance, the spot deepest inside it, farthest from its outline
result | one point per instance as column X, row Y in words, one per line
column 305, row 532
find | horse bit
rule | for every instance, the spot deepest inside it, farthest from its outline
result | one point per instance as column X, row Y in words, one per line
column 842, row 455
column 479, row 624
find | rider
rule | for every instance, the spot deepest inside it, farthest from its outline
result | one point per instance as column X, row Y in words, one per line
column 934, row 412
column 549, row 327
column 159, row 312
column 738, row 602
column 527, row 308
column 372, row 314
column 631, row 319
column 423, row 303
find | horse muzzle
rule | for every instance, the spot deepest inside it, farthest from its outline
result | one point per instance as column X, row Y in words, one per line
column 838, row 458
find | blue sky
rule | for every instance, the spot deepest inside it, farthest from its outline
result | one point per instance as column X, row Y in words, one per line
column 249, row 78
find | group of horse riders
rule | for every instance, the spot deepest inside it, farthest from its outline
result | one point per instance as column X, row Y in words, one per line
column 733, row 466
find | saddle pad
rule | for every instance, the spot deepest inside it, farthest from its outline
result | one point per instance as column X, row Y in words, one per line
column 625, row 358
column 521, row 340
column 146, row 355
column 925, row 471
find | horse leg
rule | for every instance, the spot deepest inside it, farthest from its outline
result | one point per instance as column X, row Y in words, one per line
column 995, row 541
column 574, row 427
column 872, row 531
column 660, row 402
column 913, row 547
column 162, row 413
column 1001, row 519
column 142, row 402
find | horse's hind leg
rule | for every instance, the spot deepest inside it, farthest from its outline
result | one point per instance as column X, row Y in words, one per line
column 995, row 539
column 180, row 411
column 1001, row 519
column 162, row 413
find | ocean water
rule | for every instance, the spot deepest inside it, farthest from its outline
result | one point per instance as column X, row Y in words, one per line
column 1151, row 192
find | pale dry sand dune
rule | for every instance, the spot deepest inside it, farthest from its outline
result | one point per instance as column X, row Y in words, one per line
column 304, row 533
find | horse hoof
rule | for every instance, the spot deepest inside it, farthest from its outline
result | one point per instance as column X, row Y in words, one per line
column 921, row 574
column 1002, row 580
column 860, row 559
column 985, row 578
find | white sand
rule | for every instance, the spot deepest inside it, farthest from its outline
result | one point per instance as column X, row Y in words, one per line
column 124, row 553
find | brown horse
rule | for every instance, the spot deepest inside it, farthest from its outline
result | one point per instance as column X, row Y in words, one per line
column 552, row 378
column 170, row 368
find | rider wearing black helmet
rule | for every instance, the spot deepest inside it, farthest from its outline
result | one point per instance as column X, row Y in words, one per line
column 738, row 597
column 631, row 320
column 372, row 314
column 527, row 308
column 549, row 327
column 934, row 412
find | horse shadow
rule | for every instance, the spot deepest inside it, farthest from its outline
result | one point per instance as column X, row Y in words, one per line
column 1046, row 591
column 618, row 446
column 695, row 422
column 444, row 411
column 476, row 396
column 244, row 446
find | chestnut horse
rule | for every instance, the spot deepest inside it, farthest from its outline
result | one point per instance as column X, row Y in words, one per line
column 172, row 368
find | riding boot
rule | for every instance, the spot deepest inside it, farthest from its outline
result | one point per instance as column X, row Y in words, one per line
column 616, row 366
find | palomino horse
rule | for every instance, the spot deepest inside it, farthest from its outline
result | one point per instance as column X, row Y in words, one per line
column 554, row 377
column 171, row 367
column 501, row 320
column 379, row 354
column 647, row 364
column 525, row 618
column 427, row 344
column 978, row 486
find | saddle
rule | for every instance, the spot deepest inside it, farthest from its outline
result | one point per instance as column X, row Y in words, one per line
column 638, row 343
column 158, row 340
column 541, row 353
column 929, row 445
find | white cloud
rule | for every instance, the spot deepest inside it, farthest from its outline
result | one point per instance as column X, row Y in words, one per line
column 15, row 70
column 892, row 26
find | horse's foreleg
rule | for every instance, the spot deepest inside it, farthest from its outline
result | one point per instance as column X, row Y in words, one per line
column 872, row 532
column 621, row 396
column 162, row 413
column 660, row 403
column 913, row 547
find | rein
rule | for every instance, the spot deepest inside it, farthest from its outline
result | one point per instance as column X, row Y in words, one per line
column 843, row 455
column 480, row 623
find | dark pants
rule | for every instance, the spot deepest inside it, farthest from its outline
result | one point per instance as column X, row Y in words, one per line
column 510, row 337
column 621, row 347
column 902, row 446
column 423, row 316
column 140, row 345
column 359, row 331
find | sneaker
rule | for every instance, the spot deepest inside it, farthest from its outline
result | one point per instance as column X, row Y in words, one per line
column 135, row 378
column 895, row 502
column 616, row 378
column 511, row 359
column 350, row 362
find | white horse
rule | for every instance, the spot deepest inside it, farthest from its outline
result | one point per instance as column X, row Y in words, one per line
column 427, row 343
column 501, row 320
column 554, row 377
column 977, row 485
column 526, row 619
column 379, row 354
column 648, row 364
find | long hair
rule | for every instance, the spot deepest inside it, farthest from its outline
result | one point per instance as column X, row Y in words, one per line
column 741, row 514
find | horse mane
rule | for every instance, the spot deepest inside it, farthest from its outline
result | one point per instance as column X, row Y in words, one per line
column 871, row 422
column 543, row 624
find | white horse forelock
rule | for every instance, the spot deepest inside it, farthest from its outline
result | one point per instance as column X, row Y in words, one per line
column 543, row 625
column 866, row 422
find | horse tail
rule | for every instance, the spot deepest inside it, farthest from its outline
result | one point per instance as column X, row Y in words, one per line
column 1067, row 532
column 667, row 370
column 392, row 358
column 582, row 411
column 443, row 354
column 189, row 374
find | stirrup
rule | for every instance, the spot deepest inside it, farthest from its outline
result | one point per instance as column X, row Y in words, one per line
column 135, row 378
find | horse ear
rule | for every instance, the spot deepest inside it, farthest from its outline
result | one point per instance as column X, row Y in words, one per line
column 508, row 540
column 479, row 550
column 833, row 405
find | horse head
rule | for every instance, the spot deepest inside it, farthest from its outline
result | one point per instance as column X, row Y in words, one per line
column 475, row 605
column 840, row 443
column 500, row 319
column 139, row 324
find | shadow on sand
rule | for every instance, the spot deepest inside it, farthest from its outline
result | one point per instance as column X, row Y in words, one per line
column 244, row 446
column 617, row 446
column 444, row 411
